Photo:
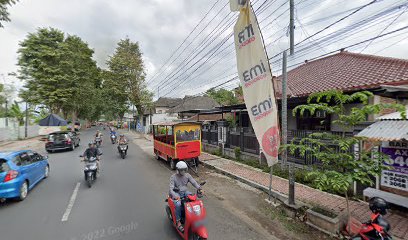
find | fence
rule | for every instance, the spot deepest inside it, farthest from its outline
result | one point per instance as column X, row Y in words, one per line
column 17, row 132
column 245, row 139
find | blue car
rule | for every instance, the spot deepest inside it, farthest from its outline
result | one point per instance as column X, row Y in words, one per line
column 20, row 171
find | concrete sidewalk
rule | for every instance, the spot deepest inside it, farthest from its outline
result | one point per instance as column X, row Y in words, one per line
column 34, row 143
column 305, row 194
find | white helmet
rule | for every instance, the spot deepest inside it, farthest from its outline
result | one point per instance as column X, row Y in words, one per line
column 181, row 165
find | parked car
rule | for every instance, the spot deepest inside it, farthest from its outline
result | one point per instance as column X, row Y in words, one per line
column 20, row 171
column 62, row 140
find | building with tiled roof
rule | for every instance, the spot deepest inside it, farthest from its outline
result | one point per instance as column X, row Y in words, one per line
column 344, row 71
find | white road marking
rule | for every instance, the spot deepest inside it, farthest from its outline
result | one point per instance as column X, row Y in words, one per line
column 71, row 203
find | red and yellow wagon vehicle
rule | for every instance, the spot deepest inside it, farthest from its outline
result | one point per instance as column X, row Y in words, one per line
column 178, row 141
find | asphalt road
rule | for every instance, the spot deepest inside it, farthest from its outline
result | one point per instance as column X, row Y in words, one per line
column 126, row 202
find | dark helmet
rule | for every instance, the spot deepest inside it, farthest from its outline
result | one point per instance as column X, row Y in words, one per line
column 378, row 205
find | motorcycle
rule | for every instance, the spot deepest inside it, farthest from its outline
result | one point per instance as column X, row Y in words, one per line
column 194, row 216
column 90, row 170
column 375, row 229
column 122, row 150
column 98, row 141
column 113, row 138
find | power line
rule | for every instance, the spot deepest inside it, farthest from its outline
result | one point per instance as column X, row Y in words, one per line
column 395, row 19
column 185, row 39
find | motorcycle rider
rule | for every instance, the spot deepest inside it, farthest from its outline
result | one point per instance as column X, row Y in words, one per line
column 98, row 135
column 113, row 131
column 122, row 141
column 92, row 151
column 180, row 180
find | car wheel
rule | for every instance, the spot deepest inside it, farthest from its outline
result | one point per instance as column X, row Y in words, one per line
column 47, row 171
column 23, row 191
column 48, row 151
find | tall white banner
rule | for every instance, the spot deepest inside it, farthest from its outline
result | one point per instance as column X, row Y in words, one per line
column 256, row 80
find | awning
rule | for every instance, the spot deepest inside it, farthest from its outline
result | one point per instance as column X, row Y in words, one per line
column 386, row 130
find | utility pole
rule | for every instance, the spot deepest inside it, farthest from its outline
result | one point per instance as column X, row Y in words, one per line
column 134, row 120
column 292, row 27
column 291, row 179
column 26, row 122
column 158, row 92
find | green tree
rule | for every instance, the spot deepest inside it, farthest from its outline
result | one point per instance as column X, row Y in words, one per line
column 60, row 73
column 114, row 95
column 4, row 14
column 340, row 167
column 43, row 113
column 17, row 113
column 127, row 77
column 40, row 57
column 82, row 78
column 222, row 96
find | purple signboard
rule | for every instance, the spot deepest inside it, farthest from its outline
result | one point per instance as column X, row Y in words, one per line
column 397, row 176
column 398, row 159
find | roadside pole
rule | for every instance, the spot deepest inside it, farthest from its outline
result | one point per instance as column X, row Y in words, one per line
column 291, row 179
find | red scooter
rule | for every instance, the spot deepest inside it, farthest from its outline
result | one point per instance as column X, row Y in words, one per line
column 375, row 229
column 194, row 216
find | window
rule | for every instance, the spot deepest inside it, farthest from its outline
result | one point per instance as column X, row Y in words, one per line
column 57, row 137
column 187, row 133
column 24, row 159
column 16, row 160
column 4, row 167
column 169, row 130
column 35, row 157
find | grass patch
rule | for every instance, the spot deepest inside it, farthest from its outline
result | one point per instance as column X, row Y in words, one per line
column 290, row 224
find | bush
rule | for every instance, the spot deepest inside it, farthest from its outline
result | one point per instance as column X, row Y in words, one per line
column 217, row 152
column 237, row 152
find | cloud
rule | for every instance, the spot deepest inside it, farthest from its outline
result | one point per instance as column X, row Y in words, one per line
column 161, row 25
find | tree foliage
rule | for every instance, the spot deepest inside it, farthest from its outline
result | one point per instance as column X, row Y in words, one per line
column 222, row 96
column 126, row 77
column 340, row 166
column 59, row 72
column 4, row 14
column 16, row 112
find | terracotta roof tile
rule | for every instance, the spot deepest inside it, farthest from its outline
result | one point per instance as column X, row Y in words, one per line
column 344, row 71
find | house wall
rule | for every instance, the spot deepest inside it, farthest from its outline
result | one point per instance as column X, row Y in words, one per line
column 336, row 127
column 160, row 110
column 156, row 118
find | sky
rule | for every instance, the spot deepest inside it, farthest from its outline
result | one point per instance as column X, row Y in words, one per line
column 160, row 26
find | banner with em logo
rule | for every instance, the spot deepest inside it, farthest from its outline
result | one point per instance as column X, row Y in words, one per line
column 256, row 80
